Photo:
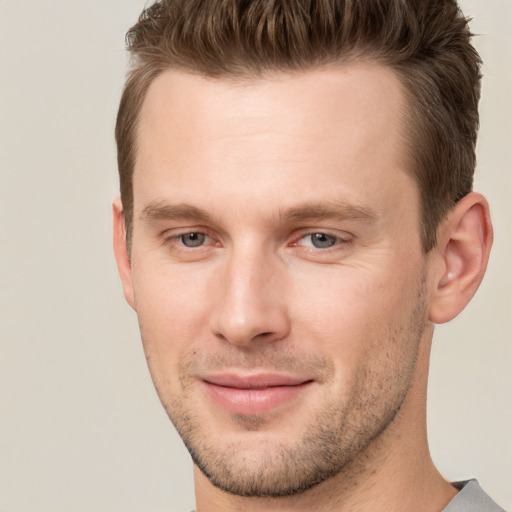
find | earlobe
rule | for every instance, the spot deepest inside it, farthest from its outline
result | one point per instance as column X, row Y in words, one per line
column 121, row 251
column 464, row 244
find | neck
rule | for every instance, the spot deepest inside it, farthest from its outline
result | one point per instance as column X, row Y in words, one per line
column 395, row 472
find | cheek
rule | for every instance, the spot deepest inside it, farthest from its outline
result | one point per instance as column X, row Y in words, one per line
column 172, row 308
column 352, row 311
column 369, row 325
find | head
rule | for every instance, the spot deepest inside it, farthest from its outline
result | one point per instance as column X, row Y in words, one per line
column 296, row 214
column 427, row 44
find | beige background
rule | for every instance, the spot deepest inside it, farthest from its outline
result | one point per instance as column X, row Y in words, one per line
column 81, row 429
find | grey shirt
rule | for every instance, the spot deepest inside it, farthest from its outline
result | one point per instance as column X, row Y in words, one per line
column 471, row 498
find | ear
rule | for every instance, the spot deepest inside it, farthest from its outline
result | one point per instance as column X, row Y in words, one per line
column 460, row 260
column 121, row 252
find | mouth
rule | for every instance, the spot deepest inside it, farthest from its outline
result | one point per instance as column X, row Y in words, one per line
column 254, row 394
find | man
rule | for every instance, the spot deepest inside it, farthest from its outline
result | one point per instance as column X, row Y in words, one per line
column 296, row 214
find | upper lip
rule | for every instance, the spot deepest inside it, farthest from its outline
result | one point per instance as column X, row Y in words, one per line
column 254, row 381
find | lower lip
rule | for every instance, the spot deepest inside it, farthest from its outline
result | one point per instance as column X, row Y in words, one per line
column 254, row 401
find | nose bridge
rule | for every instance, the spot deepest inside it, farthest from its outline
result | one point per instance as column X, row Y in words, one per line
column 250, row 303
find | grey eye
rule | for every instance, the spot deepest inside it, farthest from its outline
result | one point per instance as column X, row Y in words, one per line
column 193, row 239
column 322, row 241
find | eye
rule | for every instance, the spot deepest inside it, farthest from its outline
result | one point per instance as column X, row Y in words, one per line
column 192, row 239
column 319, row 240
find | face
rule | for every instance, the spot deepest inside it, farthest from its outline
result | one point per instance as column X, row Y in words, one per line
column 277, row 270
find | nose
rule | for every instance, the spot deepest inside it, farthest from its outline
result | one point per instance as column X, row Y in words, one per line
column 250, row 300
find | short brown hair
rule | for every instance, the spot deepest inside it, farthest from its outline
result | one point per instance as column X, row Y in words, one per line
column 427, row 43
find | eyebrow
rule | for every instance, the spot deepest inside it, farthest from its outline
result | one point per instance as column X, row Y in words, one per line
column 161, row 210
column 336, row 210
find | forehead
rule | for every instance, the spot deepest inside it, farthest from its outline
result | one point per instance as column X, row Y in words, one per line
column 306, row 131
column 361, row 95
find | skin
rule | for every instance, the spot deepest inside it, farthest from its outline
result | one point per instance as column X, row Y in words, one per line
column 254, row 169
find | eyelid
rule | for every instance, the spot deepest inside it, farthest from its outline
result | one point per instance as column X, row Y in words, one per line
column 175, row 232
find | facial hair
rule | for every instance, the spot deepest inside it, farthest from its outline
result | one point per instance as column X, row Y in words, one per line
column 336, row 438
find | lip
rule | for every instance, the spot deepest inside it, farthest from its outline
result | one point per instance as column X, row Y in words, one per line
column 254, row 394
